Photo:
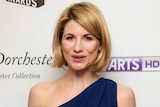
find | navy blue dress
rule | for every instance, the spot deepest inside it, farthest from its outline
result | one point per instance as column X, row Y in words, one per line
column 102, row 93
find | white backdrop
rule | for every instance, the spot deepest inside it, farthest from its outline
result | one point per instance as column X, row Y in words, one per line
column 26, row 33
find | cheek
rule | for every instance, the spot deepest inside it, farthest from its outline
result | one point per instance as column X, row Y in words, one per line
column 92, row 52
column 93, row 48
column 66, row 49
column 65, row 46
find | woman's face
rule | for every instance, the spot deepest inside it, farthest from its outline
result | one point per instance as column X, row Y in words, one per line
column 79, row 47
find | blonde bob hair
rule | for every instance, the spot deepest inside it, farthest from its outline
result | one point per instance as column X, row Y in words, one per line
column 91, row 18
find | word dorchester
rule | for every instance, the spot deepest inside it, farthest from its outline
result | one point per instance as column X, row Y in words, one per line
column 25, row 60
column 32, row 3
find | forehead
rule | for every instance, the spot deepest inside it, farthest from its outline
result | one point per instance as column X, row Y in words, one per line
column 73, row 27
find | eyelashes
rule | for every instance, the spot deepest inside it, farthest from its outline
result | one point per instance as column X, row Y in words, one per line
column 88, row 38
column 69, row 37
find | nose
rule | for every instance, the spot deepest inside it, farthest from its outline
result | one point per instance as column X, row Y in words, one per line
column 78, row 47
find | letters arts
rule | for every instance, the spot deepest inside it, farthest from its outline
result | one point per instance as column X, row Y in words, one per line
column 118, row 64
column 125, row 64
column 32, row 3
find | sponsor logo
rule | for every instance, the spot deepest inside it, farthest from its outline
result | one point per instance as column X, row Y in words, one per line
column 134, row 64
column 117, row 64
column 32, row 3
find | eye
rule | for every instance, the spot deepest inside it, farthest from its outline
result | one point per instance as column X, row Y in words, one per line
column 69, row 37
column 88, row 37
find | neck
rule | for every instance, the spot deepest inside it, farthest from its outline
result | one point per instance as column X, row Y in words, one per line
column 80, row 79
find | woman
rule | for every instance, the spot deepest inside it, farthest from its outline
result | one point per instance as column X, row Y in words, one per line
column 82, row 46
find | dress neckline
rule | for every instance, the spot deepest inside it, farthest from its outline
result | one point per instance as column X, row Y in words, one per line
column 81, row 93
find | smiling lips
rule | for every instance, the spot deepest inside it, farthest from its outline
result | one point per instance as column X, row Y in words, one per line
column 79, row 58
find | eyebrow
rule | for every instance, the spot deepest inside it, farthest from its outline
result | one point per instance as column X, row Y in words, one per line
column 67, row 34
column 73, row 34
column 87, row 34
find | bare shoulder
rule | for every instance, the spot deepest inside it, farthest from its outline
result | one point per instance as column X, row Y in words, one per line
column 38, row 94
column 39, row 89
column 126, row 97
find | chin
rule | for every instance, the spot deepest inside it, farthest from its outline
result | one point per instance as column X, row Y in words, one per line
column 80, row 68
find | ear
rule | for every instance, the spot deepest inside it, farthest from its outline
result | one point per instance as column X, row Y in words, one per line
column 99, row 49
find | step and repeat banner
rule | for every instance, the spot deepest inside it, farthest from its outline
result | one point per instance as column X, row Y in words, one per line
column 26, row 33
